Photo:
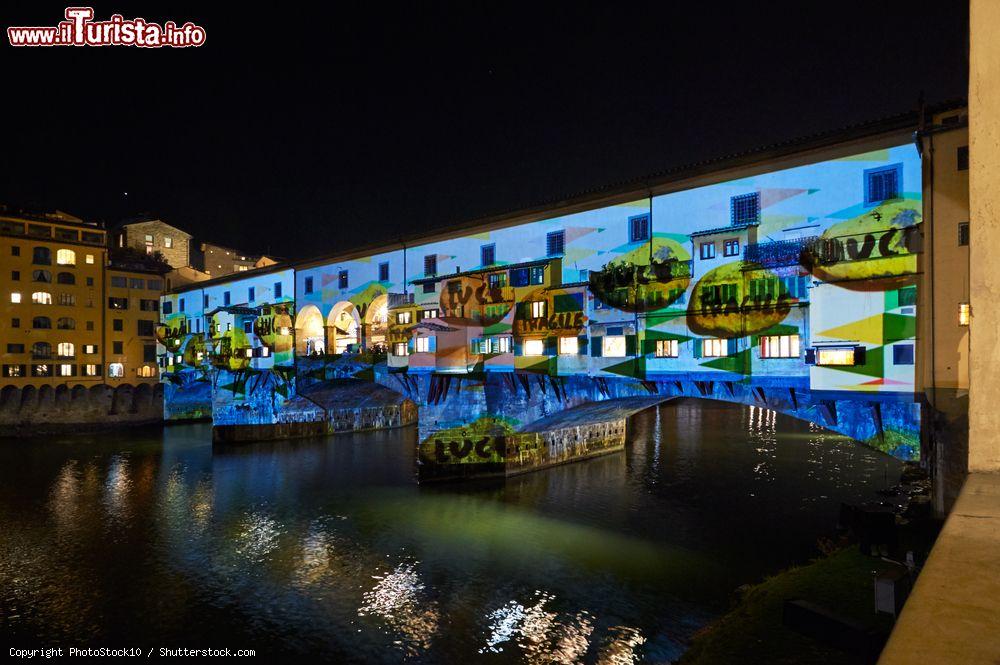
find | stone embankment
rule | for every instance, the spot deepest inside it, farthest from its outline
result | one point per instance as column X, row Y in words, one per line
column 31, row 411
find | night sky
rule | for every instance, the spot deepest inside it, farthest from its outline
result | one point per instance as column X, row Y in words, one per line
column 346, row 128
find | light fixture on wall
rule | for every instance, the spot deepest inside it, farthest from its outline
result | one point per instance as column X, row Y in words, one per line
column 964, row 313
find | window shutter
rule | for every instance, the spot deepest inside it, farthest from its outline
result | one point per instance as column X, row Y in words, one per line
column 810, row 356
column 649, row 347
column 595, row 346
column 582, row 345
column 518, row 347
column 410, row 345
column 697, row 348
column 550, row 346
column 731, row 346
column 432, row 343
column 859, row 355
column 630, row 345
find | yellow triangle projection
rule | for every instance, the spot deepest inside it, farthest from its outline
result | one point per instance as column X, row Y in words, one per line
column 481, row 236
column 866, row 330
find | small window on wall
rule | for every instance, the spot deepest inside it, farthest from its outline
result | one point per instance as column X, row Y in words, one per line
column 277, row 289
column 569, row 346
column 497, row 280
column 116, row 370
column 962, row 158
column 251, row 294
column 839, row 356
column 883, row 184
column 731, row 247
column 538, row 309
column 744, row 209
column 66, row 257
column 963, row 234
column 342, row 279
column 90, row 370
column 666, row 348
column 534, row 347
column 383, row 271
column 226, row 298
column 404, row 317
column 429, row 314
column 779, row 346
column 707, row 250
column 638, row 228
column 500, row 345
column 613, row 346
column 715, row 348
column 902, row 354
column 422, row 344
column 307, row 285
column 168, row 242
column 399, row 349
column 555, row 243
column 430, row 265
column 488, row 254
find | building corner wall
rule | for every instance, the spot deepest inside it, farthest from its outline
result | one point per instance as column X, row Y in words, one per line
column 984, row 199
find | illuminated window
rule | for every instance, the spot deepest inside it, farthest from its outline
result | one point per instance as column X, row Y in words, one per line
column 708, row 250
column 835, row 356
column 147, row 372
column 403, row 317
column 731, row 247
column 65, row 370
column 638, row 228
column 779, row 346
column 41, row 370
column 497, row 280
column 538, row 309
column 13, row 370
column 964, row 313
column 569, row 346
column 66, row 257
column 116, row 370
column 15, row 297
column 89, row 258
column 500, row 345
column 399, row 349
column 41, row 298
column 429, row 314
column 90, row 349
column 423, row 344
column 883, row 184
column 534, row 347
column 666, row 348
column 168, row 242
column 613, row 346
column 715, row 348
column 90, row 370
column 744, row 209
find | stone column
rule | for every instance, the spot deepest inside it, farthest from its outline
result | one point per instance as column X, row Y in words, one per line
column 984, row 225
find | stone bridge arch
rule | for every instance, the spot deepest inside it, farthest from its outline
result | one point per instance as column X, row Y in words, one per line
column 344, row 327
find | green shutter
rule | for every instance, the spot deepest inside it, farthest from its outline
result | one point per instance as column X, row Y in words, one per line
column 731, row 346
column 582, row 345
column 596, row 343
column 697, row 348
column 630, row 345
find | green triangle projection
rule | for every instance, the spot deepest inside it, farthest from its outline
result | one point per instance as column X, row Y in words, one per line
column 656, row 334
column 627, row 368
column 897, row 326
column 544, row 366
column 497, row 328
column 778, row 329
column 739, row 363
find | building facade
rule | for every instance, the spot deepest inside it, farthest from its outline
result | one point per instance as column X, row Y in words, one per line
column 797, row 275
column 155, row 235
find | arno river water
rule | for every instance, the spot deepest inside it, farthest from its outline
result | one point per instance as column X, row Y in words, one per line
column 328, row 546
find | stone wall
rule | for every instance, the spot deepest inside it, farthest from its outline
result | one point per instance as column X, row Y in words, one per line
column 36, row 411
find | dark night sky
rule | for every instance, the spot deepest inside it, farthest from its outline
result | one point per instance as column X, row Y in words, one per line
column 354, row 127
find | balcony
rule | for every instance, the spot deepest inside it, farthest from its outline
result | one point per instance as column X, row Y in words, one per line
column 778, row 253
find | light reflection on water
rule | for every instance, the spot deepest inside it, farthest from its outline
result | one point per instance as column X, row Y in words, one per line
column 328, row 546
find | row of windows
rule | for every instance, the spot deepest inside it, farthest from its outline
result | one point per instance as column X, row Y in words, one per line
column 115, row 370
column 227, row 298
column 46, row 231
column 45, row 277
column 120, row 282
column 43, row 256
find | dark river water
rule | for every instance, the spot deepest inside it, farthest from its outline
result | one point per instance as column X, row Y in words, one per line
column 328, row 547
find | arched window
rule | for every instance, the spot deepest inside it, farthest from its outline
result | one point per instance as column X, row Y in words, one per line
column 41, row 350
column 66, row 323
column 41, row 322
column 66, row 278
column 67, row 299
column 43, row 276
column 66, row 349
column 41, row 298
column 147, row 371
column 66, row 257
column 42, row 256
column 116, row 370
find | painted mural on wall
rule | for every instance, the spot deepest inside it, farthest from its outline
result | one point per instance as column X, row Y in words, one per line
column 802, row 278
